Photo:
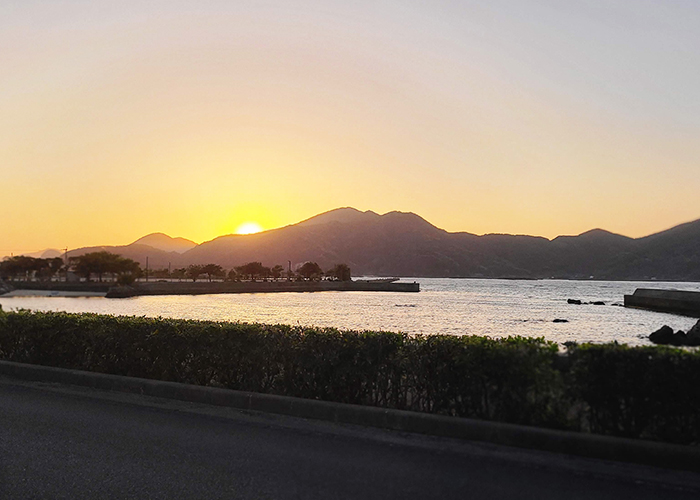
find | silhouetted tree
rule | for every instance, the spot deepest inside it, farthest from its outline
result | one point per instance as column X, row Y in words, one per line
column 310, row 270
column 127, row 269
column 340, row 272
column 56, row 265
column 179, row 273
column 103, row 262
column 159, row 273
column 276, row 271
column 21, row 266
column 253, row 270
column 194, row 271
column 42, row 269
column 212, row 271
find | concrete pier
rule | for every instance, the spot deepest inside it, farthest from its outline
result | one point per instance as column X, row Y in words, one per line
column 670, row 301
column 205, row 287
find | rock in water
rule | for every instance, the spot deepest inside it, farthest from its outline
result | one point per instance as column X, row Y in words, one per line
column 5, row 287
column 574, row 301
column 663, row 335
column 693, row 335
column 560, row 320
column 679, row 338
column 598, row 303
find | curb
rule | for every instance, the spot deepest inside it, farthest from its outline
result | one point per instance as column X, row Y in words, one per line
column 652, row 453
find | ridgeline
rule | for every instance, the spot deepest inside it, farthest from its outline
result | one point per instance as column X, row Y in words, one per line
column 404, row 244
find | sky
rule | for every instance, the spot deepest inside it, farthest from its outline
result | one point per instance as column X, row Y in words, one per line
column 122, row 118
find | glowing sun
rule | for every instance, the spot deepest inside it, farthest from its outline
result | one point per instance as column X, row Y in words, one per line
column 249, row 228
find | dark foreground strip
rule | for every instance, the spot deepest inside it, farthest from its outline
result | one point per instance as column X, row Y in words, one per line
column 586, row 445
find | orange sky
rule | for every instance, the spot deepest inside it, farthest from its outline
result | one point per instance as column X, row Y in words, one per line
column 191, row 118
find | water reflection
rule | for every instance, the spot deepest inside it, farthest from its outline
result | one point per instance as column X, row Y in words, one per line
column 448, row 306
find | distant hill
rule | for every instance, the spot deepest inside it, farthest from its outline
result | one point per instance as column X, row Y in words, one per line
column 404, row 244
column 49, row 253
column 164, row 242
column 160, row 249
column 157, row 259
column 345, row 215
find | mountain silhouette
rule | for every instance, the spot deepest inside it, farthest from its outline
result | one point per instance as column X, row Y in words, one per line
column 405, row 244
column 164, row 242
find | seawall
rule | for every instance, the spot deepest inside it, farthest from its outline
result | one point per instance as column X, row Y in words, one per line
column 671, row 301
column 205, row 287
column 70, row 286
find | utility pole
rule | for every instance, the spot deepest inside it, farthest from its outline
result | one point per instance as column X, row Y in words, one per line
column 289, row 270
column 169, row 279
column 146, row 268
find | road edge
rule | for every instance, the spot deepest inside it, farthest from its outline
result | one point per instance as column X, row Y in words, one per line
column 668, row 456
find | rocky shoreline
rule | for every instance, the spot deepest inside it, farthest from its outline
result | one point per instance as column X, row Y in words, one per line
column 666, row 336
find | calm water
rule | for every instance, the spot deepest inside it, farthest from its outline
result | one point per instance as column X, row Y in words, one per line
column 448, row 306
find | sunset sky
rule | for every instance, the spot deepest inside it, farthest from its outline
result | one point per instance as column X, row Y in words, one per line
column 122, row 118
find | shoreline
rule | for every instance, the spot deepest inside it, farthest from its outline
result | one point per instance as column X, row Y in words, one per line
column 602, row 280
column 52, row 293
column 208, row 288
column 454, row 307
column 109, row 290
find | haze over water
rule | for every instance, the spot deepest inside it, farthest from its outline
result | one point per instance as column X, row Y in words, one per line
column 495, row 308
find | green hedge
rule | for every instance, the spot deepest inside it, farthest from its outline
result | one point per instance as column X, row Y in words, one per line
column 651, row 392
column 611, row 389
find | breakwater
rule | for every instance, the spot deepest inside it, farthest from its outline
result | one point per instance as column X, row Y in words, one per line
column 670, row 301
column 55, row 286
column 204, row 288
column 216, row 287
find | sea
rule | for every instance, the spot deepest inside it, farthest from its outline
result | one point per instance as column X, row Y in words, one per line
column 491, row 307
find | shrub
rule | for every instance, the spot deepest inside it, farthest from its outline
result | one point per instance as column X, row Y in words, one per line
column 647, row 392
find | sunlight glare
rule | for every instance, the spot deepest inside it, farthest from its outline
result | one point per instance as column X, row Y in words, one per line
column 249, row 228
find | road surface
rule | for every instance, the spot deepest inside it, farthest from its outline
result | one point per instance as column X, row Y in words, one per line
column 69, row 442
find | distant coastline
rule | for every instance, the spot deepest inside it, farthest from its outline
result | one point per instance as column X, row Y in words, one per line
column 639, row 280
column 405, row 244
column 90, row 289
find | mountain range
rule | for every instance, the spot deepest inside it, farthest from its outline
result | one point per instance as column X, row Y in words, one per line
column 404, row 244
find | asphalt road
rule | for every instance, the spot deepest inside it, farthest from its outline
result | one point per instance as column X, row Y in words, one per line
column 68, row 442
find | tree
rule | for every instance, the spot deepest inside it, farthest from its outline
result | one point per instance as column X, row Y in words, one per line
column 103, row 262
column 179, row 273
column 21, row 267
column 212, row 270
column 127, row 270
column 56, row 264
column 43, row 269
column 276, row 271
column 194, row 271
column 94, row 263
column 310, row 270
column 253, row 269
column 159, row 273
column 24, row 267
column 126, row 279
column 340, row 272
